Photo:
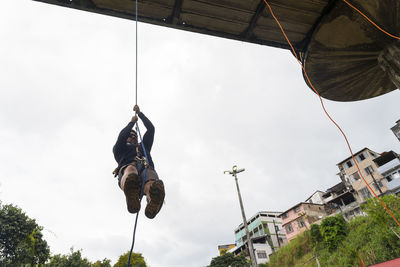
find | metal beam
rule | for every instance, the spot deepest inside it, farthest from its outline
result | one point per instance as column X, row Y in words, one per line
column 174, row 18
column 247, row 34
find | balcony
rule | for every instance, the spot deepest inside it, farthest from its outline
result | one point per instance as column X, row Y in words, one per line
column 391, row 165
column 392, row 185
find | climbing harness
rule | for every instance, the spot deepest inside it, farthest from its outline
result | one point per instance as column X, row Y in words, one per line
column 322, row 103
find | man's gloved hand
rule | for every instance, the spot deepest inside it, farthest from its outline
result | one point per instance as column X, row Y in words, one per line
column 134, row 119
column 136, row 109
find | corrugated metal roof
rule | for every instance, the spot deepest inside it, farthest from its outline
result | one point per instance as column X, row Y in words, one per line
column 391, row 263
column 339, row 48
column 244, row 20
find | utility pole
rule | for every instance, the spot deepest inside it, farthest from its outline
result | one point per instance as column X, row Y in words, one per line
column 376, row 183
column 276, row 233
column 249, row 243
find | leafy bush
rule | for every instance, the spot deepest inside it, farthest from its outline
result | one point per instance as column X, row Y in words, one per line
column 333, row 231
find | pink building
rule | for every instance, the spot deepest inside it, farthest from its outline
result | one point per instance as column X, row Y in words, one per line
column 300, row 217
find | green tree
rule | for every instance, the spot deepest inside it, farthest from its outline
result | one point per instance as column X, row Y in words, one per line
column 21, row 239
column 333, row 231
column 74, row 259
column 103, row 263
column 228, row 259
column 137, row 260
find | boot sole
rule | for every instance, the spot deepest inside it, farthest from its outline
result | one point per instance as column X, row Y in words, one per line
column 157, row 195
column 132, row 189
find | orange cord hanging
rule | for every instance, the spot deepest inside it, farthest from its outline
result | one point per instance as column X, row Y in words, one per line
column 322, row 103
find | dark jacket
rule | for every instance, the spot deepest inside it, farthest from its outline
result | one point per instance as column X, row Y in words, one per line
column 125, row 153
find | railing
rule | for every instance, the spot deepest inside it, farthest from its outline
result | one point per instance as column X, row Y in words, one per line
column 395, row 163
column 393, row 184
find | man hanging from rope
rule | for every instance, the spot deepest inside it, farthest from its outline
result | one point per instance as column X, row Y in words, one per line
column 133, row 169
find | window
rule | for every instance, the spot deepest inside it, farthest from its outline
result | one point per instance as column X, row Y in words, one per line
column 301, row 224
column 289, row 228
column 369, row 170
column 354, row 177
column 297, row 209
column 365, row 193
column 261, row 254
column 285, row 215
column 349, row 164
column 361, row 157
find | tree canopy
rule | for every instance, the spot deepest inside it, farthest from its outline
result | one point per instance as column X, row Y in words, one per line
column 228, row 259
column 137, row 260
column 21, row 238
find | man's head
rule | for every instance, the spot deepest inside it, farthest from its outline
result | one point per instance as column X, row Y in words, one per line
column 132, row 139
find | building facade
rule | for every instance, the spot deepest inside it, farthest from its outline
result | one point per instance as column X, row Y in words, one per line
column 300, row 217
column 351, row 177
column 266, row 234
column 396, row 129
column 339, row 199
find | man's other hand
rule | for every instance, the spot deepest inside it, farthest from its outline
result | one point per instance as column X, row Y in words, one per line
column 136, row 109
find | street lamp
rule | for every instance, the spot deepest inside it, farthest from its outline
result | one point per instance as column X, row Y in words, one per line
column 250, row 244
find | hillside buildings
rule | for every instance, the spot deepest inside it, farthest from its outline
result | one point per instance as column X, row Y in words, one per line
column 380, row 171
column 271, row 230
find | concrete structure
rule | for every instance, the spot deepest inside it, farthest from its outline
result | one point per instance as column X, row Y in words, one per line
column 396, row 129
column 316, row 198
column 339, row 199
column 389, row 167
column 299, row 218
column 266, row 233
column 351, row 177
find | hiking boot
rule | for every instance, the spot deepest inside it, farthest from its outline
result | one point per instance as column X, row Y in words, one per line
column 157, row 195
column 132, row 189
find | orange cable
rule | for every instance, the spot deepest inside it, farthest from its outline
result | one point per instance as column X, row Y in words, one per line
column 373, row 23
column 323, row 106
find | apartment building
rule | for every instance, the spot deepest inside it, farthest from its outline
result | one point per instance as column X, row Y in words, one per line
column 389, row 167
column 351, row 177
column 396, row 129
column 266, row 234
column 299, row 218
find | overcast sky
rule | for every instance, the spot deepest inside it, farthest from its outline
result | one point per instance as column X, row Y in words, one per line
column 67, row 89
